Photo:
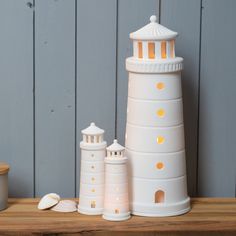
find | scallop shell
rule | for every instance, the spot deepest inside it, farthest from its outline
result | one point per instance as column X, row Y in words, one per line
column 65, row 206
column 48, row 201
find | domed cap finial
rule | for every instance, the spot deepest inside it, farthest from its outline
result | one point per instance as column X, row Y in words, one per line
column 92, row 130
column 153, row 31
column 116, row 147
column 153, row 18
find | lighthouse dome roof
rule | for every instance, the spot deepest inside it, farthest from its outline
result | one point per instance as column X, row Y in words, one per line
column 115, row 147
column 153, row 31
column 92, row 130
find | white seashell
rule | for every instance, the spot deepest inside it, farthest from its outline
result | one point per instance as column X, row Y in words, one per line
column 48, row 201
column 65, row 206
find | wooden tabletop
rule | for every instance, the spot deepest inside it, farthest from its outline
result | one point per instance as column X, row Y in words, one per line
column 210, row 216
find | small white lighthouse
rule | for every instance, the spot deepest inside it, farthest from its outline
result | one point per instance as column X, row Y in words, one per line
column 116, row 203
column 93, row 152
column 155, row 131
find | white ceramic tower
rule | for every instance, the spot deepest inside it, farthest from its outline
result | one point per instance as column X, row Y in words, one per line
column 155, row 133
column 116, row 203
column 93, row 152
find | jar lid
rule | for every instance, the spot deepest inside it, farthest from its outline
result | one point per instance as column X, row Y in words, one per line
column 4, row 168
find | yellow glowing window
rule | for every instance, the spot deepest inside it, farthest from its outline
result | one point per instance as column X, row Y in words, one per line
column 159, row 165
column 163, row 49
column 93, row 179
column 93, row 190
column 172, row 49
column 140, row 50
column 151, row 50
column 161, row 112
column 160, row 139
column 117, row 211
column 160, row 86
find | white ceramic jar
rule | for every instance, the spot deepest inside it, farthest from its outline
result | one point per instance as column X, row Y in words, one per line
column 4, row 169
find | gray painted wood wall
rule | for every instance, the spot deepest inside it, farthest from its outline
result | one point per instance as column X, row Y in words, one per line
column 62, row 65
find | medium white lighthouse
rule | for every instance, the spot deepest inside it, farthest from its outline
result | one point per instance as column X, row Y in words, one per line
column 116, row 202
column 155, row 132
column 93, row 152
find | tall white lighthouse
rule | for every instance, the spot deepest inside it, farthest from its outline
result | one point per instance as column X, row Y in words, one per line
column 93, row 152
column 155, row 132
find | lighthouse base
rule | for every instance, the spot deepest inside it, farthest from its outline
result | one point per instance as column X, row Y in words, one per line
column 116, row 217
column 89, row 211
column 161, row 209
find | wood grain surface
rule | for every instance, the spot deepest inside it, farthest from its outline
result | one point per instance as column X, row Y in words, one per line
column 209, row 216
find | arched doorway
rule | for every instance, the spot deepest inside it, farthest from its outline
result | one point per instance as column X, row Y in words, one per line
column 159, row 196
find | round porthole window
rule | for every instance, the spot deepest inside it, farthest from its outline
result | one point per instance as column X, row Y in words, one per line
column 161, row 113
column 160, row 86
column 159, row 165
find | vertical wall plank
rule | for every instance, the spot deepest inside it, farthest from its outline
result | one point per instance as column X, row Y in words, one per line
column 132, row 15
column 55, row 97
column 217, row 162
column 183, row 16
column 96, row 68
column 16, row 94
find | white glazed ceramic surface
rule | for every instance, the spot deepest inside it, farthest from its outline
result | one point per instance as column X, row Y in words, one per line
column 161, row 210
column 157, row 165
column 168, row 65
column 116, row 201
column 116, row 168
column 114, row 198
column 154, row 136
column 155, row 113
column 92, row 178
column 121, row 188
column 175, row 189
column 92, row 166
column 145, row 86
column 92, row 190
column 145, row 139
column 87, row 200
column 122, row 207
column 93, row 155
column 116, row 178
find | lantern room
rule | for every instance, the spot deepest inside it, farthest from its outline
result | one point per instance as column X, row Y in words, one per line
column 93, row 134
column 153, row 41
column 115, row 150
